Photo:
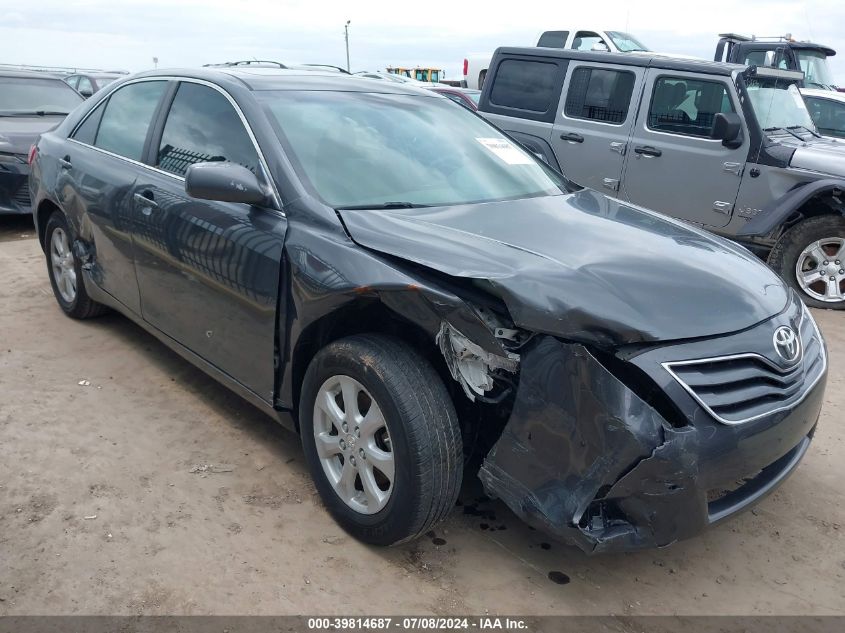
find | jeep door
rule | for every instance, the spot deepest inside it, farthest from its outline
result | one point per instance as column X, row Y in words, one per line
column 673, row 165
column 594, row 121
column 209, row 271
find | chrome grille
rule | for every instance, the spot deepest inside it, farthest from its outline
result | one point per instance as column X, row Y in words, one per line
column 742, row 387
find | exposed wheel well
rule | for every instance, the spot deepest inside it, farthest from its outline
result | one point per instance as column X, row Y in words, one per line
column 45, row 210
column 364, row 317
column 825, row 203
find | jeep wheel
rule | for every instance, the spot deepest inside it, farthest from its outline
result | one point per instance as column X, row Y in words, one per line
column 811, row 258
column 381, row 438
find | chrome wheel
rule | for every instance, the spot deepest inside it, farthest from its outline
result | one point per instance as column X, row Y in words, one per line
column 61, row 261
column 820, row 270
column 353, row 444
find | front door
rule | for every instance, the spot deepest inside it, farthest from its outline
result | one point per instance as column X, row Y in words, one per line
column 591, row 130
column 209, row 272
column 673, row 165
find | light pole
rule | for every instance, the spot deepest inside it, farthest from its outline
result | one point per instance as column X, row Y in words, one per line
column 346, row 35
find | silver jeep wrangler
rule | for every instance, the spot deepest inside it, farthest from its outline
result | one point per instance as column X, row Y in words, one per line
column 728, row 147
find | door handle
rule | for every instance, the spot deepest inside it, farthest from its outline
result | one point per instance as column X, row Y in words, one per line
column 65, row 163
column 146, row 202
column 571, row 137
column 647, row 150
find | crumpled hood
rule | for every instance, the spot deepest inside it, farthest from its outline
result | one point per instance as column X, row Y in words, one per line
column 822, row 155
column 17, row 134
column 584, row 266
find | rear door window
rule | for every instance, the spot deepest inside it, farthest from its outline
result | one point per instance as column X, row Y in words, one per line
column 681, row 105
column 599, row 94
column 203, row 126
column 524, row 84
column 127, row 117
column 553, row 39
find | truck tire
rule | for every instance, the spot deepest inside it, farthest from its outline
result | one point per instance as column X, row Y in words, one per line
column 811, row 258
column 381, row 438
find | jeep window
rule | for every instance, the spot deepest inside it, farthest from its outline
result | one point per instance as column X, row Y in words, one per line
column 524, row 85
column 128, row 114
column 687, row 106
column 369, row 150
column 778, row 105
column 21, row 96
column 585, row 40
column 203, row 126
column 553, row 39
column 625, row 42
column 816, row 71
column 599, row 95
column 828, row 115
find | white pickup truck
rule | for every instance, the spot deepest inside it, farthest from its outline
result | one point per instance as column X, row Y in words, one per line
column 476, row 64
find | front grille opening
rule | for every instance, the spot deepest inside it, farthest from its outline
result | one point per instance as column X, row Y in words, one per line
column 643, row 386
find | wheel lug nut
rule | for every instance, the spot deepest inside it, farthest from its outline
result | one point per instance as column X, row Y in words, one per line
column 342, row 445
column 362, row 454
column 352, row 460
column 826, row 263
column 345, row 427
column 357, row 432
column 832, row 278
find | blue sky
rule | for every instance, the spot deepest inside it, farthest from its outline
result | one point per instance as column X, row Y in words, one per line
column 129, row 33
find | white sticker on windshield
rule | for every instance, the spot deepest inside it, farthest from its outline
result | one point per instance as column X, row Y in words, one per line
column 507, row 152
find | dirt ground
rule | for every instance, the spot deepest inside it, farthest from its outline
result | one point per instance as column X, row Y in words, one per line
column 108, row 504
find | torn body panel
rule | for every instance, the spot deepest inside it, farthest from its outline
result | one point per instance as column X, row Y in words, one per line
column 583, row 457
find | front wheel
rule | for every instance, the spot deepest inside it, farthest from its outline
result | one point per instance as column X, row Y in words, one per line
column 811, row 258
column 381, row 438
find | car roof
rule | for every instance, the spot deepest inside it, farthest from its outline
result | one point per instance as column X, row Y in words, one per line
column 833, row 95
column 643, row 59
column 259, row 79
column 29, row 74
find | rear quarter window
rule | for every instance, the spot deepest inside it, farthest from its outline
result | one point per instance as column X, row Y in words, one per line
column 525, row 85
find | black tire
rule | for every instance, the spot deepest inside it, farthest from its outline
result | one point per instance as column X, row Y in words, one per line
column 424, row 433
column 785, row 255
column 481, row 77
column 82, row 306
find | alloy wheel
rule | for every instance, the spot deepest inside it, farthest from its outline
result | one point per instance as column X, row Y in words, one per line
column 820, row 270
column 61, row 260
column 353, row 444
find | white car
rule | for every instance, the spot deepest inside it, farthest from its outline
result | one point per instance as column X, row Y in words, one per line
column 827, row 107
column 476, row 64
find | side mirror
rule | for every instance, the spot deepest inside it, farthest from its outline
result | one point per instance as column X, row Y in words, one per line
column 600, row 47
column 224, row 182
column 769, row 59
column 727, row 127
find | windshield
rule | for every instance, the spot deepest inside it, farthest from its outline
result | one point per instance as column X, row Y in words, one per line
column 366, row 150
column 22, row 95
column 778, row 105
column 816, row 71
column 626, row 42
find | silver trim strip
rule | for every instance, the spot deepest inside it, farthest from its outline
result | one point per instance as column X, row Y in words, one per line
column 668, row 367
column 263, row 161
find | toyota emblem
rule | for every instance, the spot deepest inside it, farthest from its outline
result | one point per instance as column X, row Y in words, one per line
column 787, row 344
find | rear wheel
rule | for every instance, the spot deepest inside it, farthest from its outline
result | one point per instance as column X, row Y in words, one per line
column 66, row 272
column 381, row 438
column 811, row 258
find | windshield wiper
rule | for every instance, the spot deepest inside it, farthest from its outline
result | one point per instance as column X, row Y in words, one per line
column 34, row 113
column 785, row 129
column 382, row 205
column 804, row 127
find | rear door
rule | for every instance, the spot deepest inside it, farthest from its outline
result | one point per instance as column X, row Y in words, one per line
column 208, row 271
column 99, row 170
column 591, row 129
column 673, row 166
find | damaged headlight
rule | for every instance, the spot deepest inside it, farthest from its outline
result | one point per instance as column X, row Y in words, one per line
column 471, row 365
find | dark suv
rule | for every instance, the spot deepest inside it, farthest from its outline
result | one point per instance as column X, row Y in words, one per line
column 30, row 103
column 388, row 275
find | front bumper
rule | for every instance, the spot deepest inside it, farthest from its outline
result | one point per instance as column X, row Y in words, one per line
column 585, row 458
column 14, row 189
